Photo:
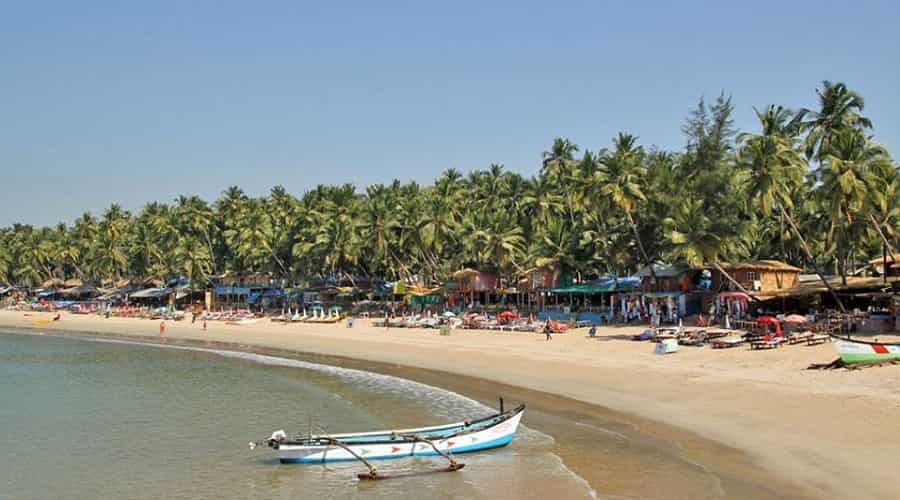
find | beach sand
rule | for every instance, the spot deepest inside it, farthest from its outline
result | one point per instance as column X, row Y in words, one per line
column 817, row 434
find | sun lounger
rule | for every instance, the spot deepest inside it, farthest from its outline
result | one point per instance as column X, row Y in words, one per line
column 726, row 342
column 798, row 337
column 817, row 339
column 767, row 343
column 715, row 333
column 694, row 338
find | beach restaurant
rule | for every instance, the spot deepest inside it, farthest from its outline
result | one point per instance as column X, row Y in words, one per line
column 603, row 299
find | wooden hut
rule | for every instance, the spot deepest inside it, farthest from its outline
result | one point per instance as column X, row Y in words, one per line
column 757, row 276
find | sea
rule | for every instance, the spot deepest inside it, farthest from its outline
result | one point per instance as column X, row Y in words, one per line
column 91, row 418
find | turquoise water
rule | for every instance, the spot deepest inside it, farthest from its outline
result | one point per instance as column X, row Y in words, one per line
column 88, row 419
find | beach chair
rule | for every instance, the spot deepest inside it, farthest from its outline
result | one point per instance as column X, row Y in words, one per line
column 817, row 339
column 798, row 337
column 726, row 342
column 767, row 343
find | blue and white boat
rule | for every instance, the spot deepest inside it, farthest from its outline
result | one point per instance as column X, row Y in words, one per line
column 445, row 440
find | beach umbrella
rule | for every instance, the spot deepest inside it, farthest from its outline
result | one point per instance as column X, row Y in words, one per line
column 727, row 322
column 680, row 327
column 508, row 315
column 449, row 314
column 795, row 319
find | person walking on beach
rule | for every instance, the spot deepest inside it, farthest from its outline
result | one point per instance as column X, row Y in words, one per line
column 593, row 331
column 548, row 331
column 204, row 324
column 162, row 327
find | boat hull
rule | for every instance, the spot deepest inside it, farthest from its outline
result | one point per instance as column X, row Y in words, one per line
column 495, row 436
column 865, row 352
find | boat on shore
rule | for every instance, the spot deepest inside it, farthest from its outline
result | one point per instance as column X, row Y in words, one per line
column 445, row 440
column 862, row 351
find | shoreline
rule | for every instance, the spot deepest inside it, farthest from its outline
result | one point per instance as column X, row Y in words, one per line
column 700, row 404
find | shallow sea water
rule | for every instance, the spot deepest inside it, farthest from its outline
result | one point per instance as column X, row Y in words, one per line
column 86, row 419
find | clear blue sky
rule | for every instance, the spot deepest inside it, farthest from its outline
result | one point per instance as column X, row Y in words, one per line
column 129, row 102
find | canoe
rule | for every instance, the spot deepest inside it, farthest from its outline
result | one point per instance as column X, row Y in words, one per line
column 462, row 437
column 860, row 351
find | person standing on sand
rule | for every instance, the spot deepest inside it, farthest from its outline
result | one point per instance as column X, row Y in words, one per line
column 162, row 327
column 204, row 324
column 548, row 331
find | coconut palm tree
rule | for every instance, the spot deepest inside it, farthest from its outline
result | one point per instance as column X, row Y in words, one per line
column 621, row 179
column 847, row 183
column 776, row 171
column 839, row 108
column 699, row 238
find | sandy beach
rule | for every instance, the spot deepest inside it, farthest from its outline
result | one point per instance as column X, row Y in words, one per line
column 828, row 434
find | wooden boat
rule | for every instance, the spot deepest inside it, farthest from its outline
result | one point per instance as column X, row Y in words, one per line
column 862, row 351
column 444, row 440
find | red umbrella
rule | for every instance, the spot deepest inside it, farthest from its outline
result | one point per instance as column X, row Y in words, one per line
column 508, row 315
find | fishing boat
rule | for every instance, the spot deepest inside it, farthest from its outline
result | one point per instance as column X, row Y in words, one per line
column 862, row 351
column 444, row 440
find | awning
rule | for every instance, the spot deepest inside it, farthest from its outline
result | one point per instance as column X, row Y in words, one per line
column 150, row 293
column 659, row 295
column 605, row 285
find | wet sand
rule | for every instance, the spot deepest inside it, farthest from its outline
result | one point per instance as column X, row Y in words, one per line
column 696, row 424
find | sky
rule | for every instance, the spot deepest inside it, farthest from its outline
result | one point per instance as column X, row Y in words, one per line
column 131, row 102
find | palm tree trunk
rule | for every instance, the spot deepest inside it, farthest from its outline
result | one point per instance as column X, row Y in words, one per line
column 810, row 258
column 883, row 237
column 640, row 243
column 280, row 264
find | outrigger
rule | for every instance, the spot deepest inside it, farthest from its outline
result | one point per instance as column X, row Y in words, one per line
column 444, row 440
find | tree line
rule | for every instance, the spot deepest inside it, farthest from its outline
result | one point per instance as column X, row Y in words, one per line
column 810, row 187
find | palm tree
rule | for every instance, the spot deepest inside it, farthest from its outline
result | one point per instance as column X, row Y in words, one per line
column 884, row 203
column 699, row 238
column 621, row 178
column 776, row 171
column 839, row 108
column 847, row 180
column 558, row 159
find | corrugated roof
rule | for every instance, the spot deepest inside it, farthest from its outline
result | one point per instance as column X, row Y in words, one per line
column 150, row 293
column 662, row 271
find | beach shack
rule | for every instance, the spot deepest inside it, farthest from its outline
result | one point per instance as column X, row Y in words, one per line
column 761, row 279
column 757, row 276
column 603, row 299
column 470, row 287
column 664, row 292
column 246, row 290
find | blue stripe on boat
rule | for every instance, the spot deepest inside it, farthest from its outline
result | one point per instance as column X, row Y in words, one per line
column 494, row 443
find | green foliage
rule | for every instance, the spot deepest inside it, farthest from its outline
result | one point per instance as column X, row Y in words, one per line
column 588, row 212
